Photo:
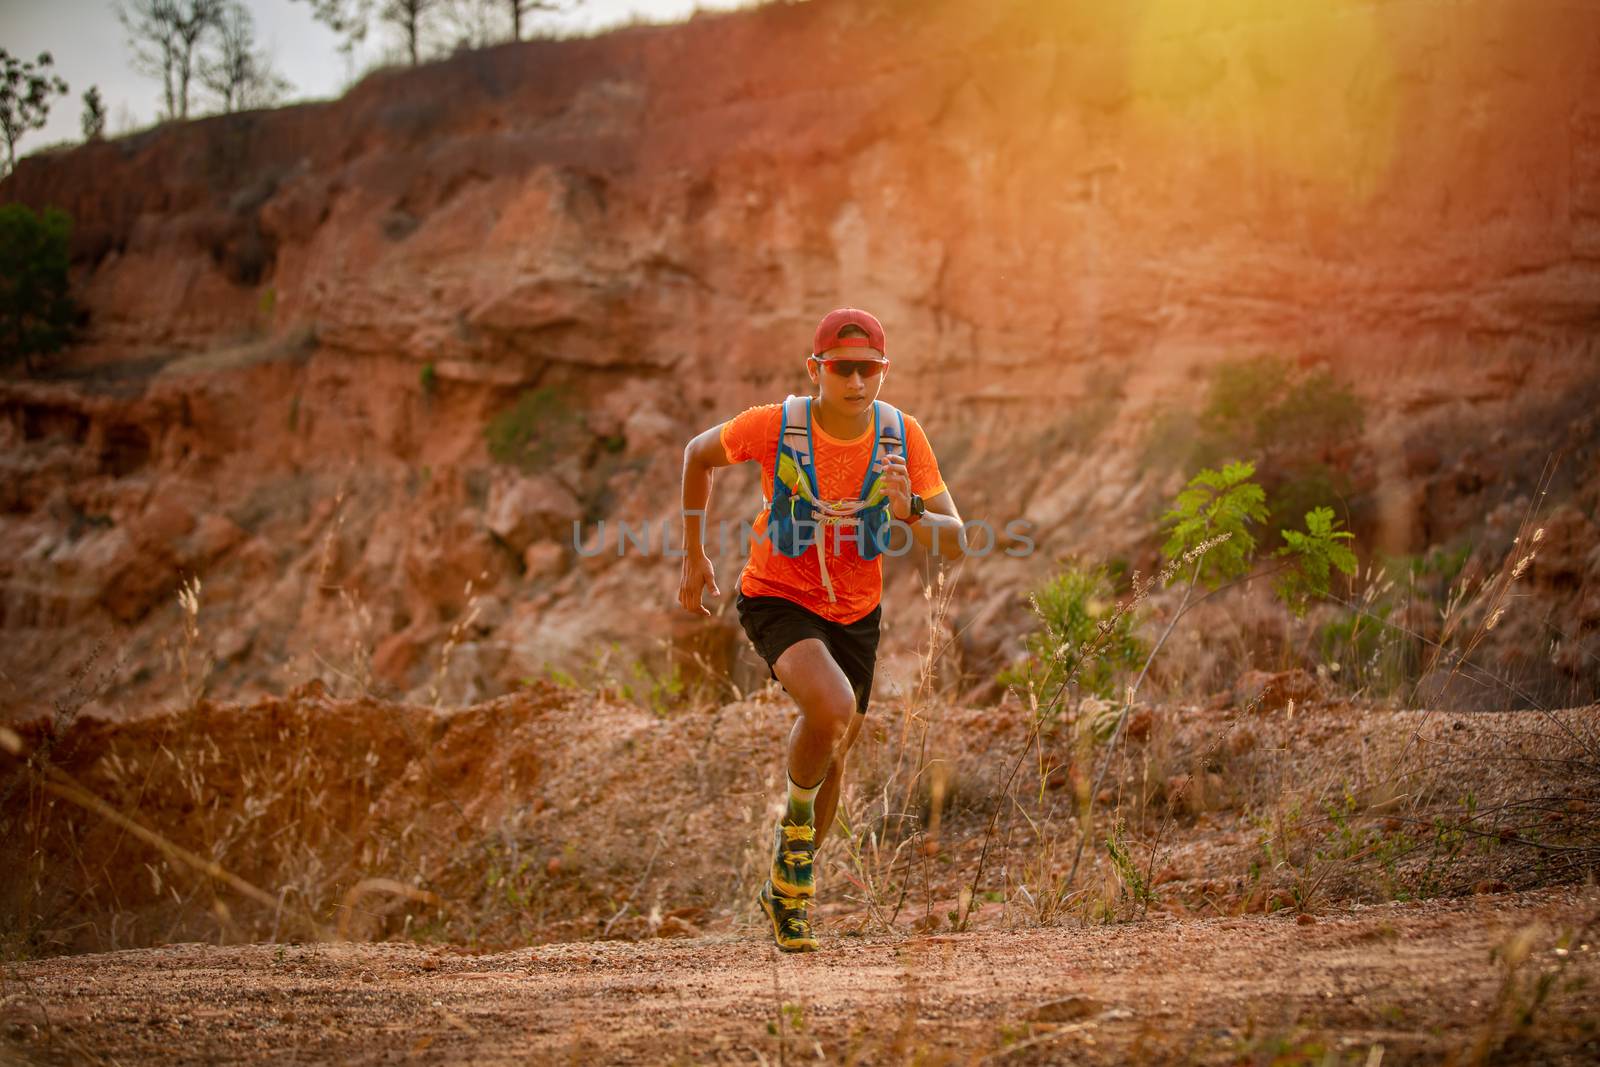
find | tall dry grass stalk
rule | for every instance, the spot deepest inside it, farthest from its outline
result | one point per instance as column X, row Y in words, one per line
column 884, row 837
column 458, row 629
column 194, row 660
column 1039, row 714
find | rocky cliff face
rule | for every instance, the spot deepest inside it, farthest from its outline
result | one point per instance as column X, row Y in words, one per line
column 308, row 326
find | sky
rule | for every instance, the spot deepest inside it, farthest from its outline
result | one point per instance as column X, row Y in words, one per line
column 90, row 47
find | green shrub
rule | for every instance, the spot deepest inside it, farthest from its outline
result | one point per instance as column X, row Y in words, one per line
column 36, row 311
column 536, row 428
column 1264, row 409
column 1286, row 421
column 1070, row 608
column 1315, row 554
column 1318, row 411
column 1365, row 653
column 1240, row 409
column 1299, row 486
column 1217, row 503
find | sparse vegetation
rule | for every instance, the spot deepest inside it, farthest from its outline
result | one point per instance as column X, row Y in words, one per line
column 94, row 114
column 1296, row 426
column 330, row 814
column 37, row 312
column 538, row 426
column 1069, row 608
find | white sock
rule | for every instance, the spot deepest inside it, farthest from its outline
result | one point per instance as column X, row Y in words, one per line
column 801, row 801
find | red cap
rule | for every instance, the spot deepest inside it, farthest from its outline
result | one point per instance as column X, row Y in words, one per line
column 828, row 332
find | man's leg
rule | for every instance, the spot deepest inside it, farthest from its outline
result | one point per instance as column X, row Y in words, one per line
column 854, row 648
column 828, row 796
column 827, row 706
column 808, row 671
column 826, row 703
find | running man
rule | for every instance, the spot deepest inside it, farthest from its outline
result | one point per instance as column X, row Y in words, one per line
column 835, row 470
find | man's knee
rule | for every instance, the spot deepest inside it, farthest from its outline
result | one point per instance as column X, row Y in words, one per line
column 832, row 712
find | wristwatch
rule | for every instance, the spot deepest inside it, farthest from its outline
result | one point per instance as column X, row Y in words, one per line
column 918, row 508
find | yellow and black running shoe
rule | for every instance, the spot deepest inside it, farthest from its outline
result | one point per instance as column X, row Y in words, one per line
column 790, row 927
column 793, row 849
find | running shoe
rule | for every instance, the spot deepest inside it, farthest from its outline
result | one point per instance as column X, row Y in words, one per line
column 791, row 929
column 793, row 849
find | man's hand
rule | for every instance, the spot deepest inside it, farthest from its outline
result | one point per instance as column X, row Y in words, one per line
column 697, row 575
column 898, row 485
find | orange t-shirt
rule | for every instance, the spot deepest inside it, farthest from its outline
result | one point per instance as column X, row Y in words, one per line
column 841, row 468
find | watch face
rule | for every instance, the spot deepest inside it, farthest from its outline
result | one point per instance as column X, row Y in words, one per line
column 917, row 506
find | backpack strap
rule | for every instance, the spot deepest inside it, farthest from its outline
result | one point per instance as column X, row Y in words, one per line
column 794, row 446
column 795, row 431
column 890, row 438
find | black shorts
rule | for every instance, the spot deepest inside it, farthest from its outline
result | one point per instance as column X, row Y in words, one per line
column 774, row 624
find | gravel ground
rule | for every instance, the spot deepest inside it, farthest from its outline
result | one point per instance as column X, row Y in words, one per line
column 1431, row 982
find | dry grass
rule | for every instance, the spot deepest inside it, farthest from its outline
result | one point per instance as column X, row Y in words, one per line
column 572, row 812
column 554, row 815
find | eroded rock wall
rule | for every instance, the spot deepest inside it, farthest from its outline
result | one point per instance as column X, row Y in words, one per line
column 303, row 320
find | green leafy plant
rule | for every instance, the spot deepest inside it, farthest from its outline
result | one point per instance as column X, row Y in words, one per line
column 94, row 114
column 1316, row 553
column 1217, row 503
column 1071, row 607
column 37, row 312
column 25, row 92
column 1127, row 867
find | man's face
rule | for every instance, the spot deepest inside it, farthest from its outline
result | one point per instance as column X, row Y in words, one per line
column 853, row 392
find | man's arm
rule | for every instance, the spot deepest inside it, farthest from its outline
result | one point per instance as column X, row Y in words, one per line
column 939, row 526
column 939, row 529
column 700, row 458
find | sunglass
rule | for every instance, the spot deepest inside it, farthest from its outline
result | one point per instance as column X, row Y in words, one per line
column 849, row 368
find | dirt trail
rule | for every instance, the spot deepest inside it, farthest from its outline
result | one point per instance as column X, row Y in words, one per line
column 1427, row 982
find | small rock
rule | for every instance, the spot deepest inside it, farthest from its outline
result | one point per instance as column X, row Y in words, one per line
column 1274, row 691
column 529, row 507
column 215, row 535
column 671, row 927
column 542, row 559
column 1065, row 1010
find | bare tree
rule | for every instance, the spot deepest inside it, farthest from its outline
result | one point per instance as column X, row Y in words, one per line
column 164, row 35
column 518, row 8
column 25, row 92
column 481, row 23
column 407, row 16
column 473, row 23
column 238, row 72
column 155, row 48
column 351, row 18
column 347, row 18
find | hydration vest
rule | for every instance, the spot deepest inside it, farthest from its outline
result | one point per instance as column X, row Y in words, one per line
column 797, row 517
